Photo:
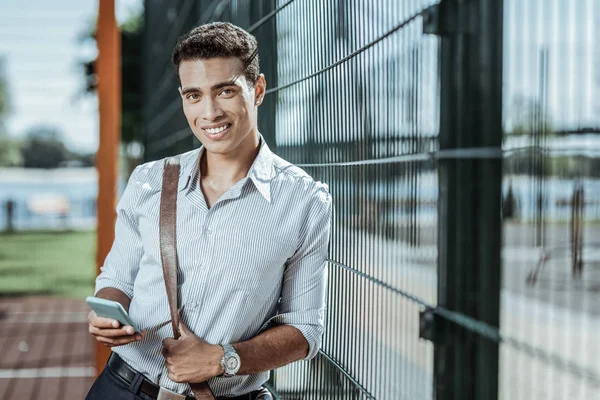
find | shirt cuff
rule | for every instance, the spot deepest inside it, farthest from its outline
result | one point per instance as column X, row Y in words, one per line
column 103, row 281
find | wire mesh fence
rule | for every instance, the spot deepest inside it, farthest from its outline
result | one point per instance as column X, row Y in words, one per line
column 354, row 94
column 550, row 189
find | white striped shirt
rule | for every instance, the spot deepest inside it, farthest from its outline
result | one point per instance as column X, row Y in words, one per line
column 255, row 258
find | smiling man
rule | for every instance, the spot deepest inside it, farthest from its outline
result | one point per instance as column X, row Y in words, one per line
column 253, row 233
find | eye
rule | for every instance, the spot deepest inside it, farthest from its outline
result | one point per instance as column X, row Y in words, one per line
column 192, row 96
column 227, row 92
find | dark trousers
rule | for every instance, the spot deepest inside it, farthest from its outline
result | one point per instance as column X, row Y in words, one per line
column 109, row 386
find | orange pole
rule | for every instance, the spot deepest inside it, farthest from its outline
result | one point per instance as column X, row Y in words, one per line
column 108, row 67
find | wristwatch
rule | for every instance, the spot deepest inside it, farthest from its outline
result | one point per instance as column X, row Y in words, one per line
column 230, row 361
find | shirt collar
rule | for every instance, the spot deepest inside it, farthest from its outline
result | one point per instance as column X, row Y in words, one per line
column 260, row 173
column 188, row 170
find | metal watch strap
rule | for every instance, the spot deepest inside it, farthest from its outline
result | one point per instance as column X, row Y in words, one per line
column 228, row 349
column 168, row 253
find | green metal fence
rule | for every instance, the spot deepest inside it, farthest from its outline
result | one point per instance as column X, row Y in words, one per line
column 463, row 261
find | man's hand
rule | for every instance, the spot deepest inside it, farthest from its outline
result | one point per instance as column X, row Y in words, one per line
column 191, row 359
column 109, row 332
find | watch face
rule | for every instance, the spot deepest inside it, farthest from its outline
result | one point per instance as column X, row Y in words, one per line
column 232, row 363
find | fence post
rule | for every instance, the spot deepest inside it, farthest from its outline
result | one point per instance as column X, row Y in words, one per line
column 577, row 232
column 470, row 193
column 10, row 216
column 109, row 104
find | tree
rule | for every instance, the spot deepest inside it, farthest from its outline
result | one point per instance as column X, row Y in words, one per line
column 5, row 106
column 9, row 148
column 131, row 64
column 4, row 98
column 10, row 152
column 44, row 148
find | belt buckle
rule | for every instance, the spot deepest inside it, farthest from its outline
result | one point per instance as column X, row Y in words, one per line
column 166, row 394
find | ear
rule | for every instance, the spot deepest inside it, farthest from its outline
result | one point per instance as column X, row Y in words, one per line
column 260, row 87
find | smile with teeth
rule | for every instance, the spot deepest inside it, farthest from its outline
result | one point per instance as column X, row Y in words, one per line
column 214, row 131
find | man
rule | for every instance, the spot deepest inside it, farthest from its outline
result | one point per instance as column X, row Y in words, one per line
column 252, row 239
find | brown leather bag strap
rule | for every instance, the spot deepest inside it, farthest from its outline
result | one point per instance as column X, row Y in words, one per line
column 168, row 239
column 168, row 253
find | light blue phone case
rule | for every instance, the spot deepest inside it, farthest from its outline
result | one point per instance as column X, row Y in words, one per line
column 110, row 309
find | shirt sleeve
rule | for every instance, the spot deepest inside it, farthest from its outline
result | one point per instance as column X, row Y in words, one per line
column 122, row 262
column 302, row 302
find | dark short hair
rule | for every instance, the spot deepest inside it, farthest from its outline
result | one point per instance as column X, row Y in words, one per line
column 219, row 39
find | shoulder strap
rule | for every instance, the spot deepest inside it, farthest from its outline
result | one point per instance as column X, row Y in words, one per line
column 168, row 253
column 168, row 235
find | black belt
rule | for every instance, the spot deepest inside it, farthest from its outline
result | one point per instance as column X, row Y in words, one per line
column 127, row 374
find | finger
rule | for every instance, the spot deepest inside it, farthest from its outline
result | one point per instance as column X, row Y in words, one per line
column 91, row 315
column 116, row 341
column 174, row 377
column 169, row 342
column 183, row 329
column 131, row 338
column 130, row 330
column 125, row 331
column 106, row 341
column 164, row 352
column 111, row 332
column 101, row 322
column 94, row 319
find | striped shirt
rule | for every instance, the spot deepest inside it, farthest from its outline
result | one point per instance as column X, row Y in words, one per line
column 255, row 258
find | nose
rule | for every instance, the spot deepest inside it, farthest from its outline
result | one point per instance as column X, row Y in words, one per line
column 210, row 109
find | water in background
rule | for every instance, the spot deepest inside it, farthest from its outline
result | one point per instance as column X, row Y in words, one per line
column 49, row 199
column 39, row 194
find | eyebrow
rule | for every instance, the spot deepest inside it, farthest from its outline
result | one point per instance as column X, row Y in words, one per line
column 193, row 89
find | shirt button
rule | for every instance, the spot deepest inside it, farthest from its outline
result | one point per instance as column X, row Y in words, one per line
column 207, row 231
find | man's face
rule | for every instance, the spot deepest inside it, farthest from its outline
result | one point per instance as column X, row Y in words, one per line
column 219, row 103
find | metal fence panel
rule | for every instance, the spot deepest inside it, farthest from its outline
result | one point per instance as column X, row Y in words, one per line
column 348, row 82
column 357, row 107
column 354, row 98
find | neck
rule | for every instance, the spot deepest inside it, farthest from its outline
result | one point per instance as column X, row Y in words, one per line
column 234, row 165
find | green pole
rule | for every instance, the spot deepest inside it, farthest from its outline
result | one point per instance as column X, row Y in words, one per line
column 470, row 188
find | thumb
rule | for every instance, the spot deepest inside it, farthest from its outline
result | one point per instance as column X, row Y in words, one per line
column 183, row 329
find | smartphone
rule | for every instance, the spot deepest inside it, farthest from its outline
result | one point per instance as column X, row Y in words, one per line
column 110, row 309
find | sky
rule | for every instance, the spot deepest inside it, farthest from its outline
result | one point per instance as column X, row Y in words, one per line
column 40, row 50
column 567, row 30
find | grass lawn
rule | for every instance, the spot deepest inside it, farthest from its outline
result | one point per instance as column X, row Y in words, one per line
column 47, row 263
